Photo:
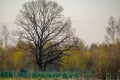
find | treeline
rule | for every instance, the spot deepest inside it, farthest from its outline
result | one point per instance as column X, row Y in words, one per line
column 17, row 57
column 102, row 60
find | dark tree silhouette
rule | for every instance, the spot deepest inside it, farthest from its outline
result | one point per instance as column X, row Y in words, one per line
column 43, row 24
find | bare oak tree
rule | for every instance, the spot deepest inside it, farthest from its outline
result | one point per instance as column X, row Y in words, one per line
column 43, row 24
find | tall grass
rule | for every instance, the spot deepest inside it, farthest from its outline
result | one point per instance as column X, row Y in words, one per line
column 52, row 76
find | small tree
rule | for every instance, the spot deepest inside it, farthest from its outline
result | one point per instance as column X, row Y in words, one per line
column 111, row 31
column 5, row 36
column 42, row 22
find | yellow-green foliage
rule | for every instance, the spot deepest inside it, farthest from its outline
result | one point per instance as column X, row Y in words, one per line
column 73, row 60
column 18, row 59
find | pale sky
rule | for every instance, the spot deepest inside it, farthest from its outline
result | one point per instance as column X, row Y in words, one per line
column 89, row 17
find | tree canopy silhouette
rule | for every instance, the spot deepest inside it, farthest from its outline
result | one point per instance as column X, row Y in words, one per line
column 44, row 24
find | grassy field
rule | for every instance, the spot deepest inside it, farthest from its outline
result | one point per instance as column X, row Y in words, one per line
column 41, row 75
column 51, row 76
column 36, row 79
column 46, row 76
column 44, row 79
column 24, row 79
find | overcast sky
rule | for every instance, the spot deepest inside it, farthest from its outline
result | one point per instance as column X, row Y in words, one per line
column 89, row 17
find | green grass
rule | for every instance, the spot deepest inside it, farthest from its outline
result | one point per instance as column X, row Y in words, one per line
column 41, row 74
column 45, row 76
column 20, row 79
column 32, row 79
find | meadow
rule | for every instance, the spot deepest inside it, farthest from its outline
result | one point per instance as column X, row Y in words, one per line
column 46, row 76
column 51, row 76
